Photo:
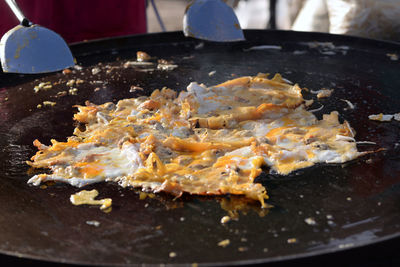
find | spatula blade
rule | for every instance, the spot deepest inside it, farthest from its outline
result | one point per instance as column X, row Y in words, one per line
column 212, row 20
column 34, row 49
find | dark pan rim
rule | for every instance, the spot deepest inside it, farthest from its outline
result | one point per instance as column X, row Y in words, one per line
column 105, row 44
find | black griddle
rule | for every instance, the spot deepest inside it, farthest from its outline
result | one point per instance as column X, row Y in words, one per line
column 353, row 204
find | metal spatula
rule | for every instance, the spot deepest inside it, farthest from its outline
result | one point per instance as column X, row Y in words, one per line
column 211, row 20
column 30, row 48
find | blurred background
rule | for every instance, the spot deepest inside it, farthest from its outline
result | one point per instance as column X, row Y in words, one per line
column 366, row 18
column 77, row 20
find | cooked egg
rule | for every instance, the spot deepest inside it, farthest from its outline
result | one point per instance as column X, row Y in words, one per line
column 205, row 141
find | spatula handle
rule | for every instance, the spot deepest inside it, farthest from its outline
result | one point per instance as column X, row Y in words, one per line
column 18, row 13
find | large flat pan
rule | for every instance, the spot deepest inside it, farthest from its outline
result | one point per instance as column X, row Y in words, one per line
column 353, row 204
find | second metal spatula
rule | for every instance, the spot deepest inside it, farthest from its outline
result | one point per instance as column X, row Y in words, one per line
column 30, row 48
column 211, row 20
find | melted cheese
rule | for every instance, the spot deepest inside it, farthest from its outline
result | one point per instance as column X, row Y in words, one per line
column 204, row 141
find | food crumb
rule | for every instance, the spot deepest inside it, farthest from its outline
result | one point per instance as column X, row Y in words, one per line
column 107, row 202
column 243, row 249
column 39, row 106
column 96, row 70
column 331, row 223
column 135, row 88
column 142, row 56
column 73, row 91
column 70, row 83
column 265, row 250
column 310, row 221
column 97, row 82
column 66, row 71
column 292, row 240
column 393, row 56
column 322, row 93
column 172, row 254
column 224, row 243
column 44, row 86
column 329, row 216
column 225, row 219
column 142, row 195
column 166, row 67
column 380, row 117
column 49, row 103
column 199, row 46
column 94, row 223
column 211, row 73
column 348, row 199
column 88, row 197
column 62, row 93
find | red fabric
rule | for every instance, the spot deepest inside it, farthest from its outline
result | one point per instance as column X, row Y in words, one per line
column 78, row 20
